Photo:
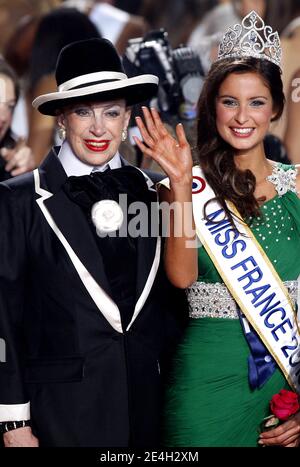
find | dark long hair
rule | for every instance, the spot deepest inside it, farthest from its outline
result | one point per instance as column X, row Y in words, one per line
column 215, row 156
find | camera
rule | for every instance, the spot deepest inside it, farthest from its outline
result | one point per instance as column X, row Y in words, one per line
column 179, row 71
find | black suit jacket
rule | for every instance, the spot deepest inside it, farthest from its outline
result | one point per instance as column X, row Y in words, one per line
column 89, row 382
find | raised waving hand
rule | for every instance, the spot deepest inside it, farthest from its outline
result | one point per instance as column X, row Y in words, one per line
column 174, row 157
column 172, row 154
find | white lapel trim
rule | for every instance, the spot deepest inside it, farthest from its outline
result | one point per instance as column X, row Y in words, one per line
column 103, row 302
column 148, row 285
column 149, row 182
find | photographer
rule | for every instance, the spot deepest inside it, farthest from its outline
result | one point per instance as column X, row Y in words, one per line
column 15, row 157
column 179, row 70
column 180, row 75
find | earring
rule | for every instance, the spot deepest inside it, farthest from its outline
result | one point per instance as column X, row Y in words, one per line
column 124, row 134
column 62, row 133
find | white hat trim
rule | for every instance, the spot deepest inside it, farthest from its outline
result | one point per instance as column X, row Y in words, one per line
column 100, row 87
column 90, row 78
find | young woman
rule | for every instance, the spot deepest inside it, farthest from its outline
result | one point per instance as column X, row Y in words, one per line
column 241, row 281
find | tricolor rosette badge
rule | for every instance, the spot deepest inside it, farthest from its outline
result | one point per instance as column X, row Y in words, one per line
column 198, row 184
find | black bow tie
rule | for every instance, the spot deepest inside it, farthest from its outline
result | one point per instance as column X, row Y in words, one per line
column 97, row 170
column 88, row 189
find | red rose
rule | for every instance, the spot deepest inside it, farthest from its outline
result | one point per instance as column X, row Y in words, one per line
column 284, row 404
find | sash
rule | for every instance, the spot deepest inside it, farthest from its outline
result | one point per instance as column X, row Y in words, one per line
column 250, row 277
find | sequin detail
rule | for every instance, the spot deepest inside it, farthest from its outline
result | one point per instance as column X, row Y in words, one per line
column 283, row 180
column 215, row 301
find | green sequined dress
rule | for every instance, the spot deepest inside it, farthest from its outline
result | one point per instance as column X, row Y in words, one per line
column 208, row 398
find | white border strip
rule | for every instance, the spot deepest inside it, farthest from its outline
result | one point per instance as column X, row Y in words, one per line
column 95, row 88
column 14, row 412
column 91, row 78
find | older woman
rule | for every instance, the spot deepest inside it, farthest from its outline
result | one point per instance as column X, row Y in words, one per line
column 15, row 157
column 82, row 309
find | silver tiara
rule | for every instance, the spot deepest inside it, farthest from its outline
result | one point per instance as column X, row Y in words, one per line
column 251, row 39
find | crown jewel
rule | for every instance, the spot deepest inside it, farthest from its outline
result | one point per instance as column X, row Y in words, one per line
column 251, row 39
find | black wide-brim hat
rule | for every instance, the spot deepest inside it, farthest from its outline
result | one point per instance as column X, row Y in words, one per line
column 91, row 70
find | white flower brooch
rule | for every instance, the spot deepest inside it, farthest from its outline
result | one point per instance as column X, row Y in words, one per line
column 107, row 216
